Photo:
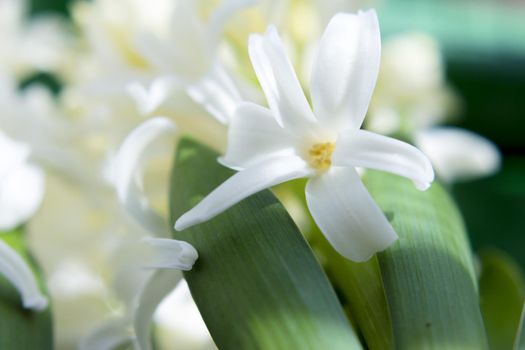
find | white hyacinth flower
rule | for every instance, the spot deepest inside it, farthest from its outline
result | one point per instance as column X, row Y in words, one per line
column 21, row 191
column 168, row 257
column 289, row 140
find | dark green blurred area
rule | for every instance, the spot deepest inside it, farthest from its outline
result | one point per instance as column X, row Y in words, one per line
column 494, row 208
column 484, row 45
column 44, row 6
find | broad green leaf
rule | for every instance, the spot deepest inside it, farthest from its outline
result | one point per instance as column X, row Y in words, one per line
column 520, row 336
column 502, row 293
column 428, row 274
column 257, row 283
column 20, row 328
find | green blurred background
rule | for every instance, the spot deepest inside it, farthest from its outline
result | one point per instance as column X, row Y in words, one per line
column 484, row 47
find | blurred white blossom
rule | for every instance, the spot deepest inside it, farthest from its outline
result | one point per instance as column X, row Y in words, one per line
column 22, row 184
column 412, row 98
column 411, row 91
column 458, row 154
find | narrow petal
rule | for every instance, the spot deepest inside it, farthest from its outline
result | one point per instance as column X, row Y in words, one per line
column 263, row 175
column 254, row 135
column 21, row 193
column 170, row 254
column 347, row 215
column 217, row 92
column 345, row 70
column 278, row 81
column 160, row 284
column 458, row 154
column 360, row 148
column 128, row 166
column 107, row 336
column 16, row 271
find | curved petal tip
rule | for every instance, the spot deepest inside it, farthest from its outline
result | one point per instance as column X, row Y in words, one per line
column 170, row 254
column 128, row 171
column 36, row 302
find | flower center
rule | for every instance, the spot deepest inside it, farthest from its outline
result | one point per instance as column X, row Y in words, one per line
column 320, row 155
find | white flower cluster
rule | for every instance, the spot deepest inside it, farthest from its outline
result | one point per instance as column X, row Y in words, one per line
column 135, row 75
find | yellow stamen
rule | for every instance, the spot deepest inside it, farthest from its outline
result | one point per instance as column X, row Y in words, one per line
column 321, row 155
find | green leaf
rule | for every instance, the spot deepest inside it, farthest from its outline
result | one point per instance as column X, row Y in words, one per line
column 257, row 283
column 428, row 273
column 502, row 293
column 21, row 328
column 520, row 336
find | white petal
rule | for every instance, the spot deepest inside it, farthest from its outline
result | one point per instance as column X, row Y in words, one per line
column 278, row 81
column 170, row 254
column 148, row 99
column 128, row 166
column 260, row 176
column 107, row 336
column 254, row 135
column 458, row 154
column 217, row 92
column 360, row 148
column 21, row 193
column 160, row 284
column 345, row 69
column 16, row 271
column 347, row 215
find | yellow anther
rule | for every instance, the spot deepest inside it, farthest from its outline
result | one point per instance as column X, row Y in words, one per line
column 321, row 155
